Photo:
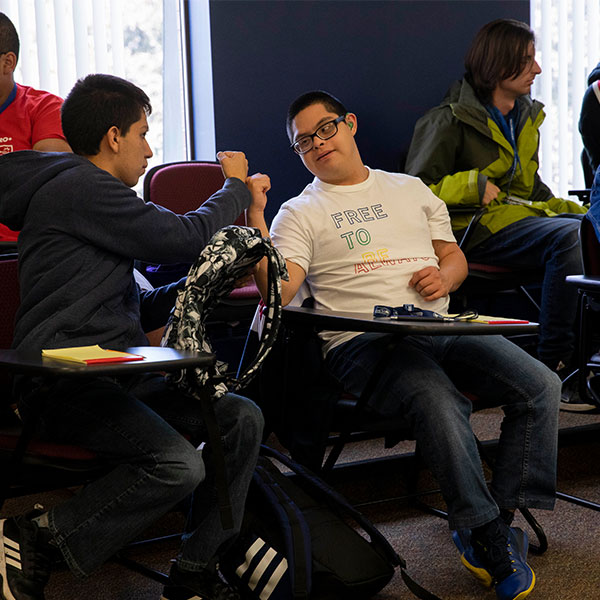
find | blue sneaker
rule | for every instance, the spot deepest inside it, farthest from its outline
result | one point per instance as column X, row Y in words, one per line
column 498, row 557
column 462, row 540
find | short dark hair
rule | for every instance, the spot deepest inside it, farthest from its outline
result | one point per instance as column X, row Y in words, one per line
column 94, row 105
column 496, row 54
column 9, row 38
column 330, row 102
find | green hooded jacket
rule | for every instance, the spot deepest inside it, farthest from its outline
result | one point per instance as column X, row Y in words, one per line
column 457, row 147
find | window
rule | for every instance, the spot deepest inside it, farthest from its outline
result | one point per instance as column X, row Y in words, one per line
column 140, row 40
column 568, row 48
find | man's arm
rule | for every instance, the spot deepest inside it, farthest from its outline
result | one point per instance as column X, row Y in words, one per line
column 119, row 220
column 432, row 157
column 47, row 134
column 259, row 185
column 433, row 282
column 52, row 145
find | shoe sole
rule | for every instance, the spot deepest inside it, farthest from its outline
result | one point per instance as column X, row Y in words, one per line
column 528, row 591
column 481, row 574
column 577, row 407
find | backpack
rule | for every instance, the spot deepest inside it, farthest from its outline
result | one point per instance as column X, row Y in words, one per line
column 227, row 257
column 296, row 543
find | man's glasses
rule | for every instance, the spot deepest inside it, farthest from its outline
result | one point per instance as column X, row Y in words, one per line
column 326, row 131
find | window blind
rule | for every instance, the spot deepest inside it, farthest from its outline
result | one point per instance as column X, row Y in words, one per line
column 568, row 48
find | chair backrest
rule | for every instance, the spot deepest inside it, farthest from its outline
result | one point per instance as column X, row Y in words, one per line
column 9, row 300
column 590, row 249
column 183, row 186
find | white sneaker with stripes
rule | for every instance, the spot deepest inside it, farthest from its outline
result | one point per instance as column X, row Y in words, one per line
column 24, row 566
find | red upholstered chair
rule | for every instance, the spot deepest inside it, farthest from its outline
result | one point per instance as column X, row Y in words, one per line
column 488, row 280
column 182, row 187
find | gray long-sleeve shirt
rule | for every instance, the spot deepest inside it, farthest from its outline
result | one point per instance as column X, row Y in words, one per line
column 81, row 229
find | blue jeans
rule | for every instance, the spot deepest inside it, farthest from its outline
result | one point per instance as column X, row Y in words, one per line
column 551, row 244
column 136, row 426
column 421, row 380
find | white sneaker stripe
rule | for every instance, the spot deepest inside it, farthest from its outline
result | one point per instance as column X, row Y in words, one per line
column 250, row 554
column 274, row 580
column 13, row 563
column 261, row 567
column 13, row 554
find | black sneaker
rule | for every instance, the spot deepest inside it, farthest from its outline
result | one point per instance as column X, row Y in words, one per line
column 197, row 585
column 25, row 559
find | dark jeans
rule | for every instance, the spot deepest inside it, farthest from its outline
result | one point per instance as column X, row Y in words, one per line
column 422, row 382
column 550, row 244
column 135, row 426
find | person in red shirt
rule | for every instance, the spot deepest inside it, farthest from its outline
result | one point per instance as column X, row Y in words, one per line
column 29, row 118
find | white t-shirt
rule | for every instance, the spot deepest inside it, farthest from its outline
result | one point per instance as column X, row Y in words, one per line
column 361, row 244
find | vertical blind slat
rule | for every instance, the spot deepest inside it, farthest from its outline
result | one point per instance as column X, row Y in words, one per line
column 81, row 9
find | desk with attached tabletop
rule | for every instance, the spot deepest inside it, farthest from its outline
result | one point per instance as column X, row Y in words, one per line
column 14, row 438
column 78, row 462
column 302, row 352
column 363, row 322
column 155, row 359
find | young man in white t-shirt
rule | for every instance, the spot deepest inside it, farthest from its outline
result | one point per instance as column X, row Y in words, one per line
column 360, row 237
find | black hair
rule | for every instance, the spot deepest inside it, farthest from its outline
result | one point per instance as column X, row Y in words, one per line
column 94, row 105
column 496, row 54
column 9, row 38
column 330, row 102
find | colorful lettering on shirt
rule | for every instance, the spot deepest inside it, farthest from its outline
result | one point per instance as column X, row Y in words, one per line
column 372, row 262
column 353, row 217
column 360, row 215
column 362, row 236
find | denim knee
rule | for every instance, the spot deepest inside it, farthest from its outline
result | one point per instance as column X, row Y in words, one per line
column 549, row 384
column 241, row 420
column 566, row 243
column 251, row 419
column 180, row 469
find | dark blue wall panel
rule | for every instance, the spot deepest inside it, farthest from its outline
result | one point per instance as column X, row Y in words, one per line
column 388, row 61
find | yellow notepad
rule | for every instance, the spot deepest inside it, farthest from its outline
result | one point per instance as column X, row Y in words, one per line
column 90, row 355
column 497, row 320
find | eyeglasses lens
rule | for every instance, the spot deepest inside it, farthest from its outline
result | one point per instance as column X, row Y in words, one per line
column 303, row 145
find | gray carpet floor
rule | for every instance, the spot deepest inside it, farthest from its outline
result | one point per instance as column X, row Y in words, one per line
column 568, row 570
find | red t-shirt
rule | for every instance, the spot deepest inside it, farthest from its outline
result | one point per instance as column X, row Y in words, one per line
column 32, row 116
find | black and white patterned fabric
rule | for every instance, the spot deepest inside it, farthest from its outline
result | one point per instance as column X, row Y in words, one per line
column 228, row 257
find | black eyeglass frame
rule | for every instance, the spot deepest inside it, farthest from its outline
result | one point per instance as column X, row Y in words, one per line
column 312, row 136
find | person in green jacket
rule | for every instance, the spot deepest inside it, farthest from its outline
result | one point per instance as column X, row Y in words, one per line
column 479, row 149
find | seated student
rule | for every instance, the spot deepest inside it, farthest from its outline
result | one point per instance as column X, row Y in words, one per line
column 81, row 227
column 479, row 148
column 29, row 118
column 589, row 124
column 361, row 237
